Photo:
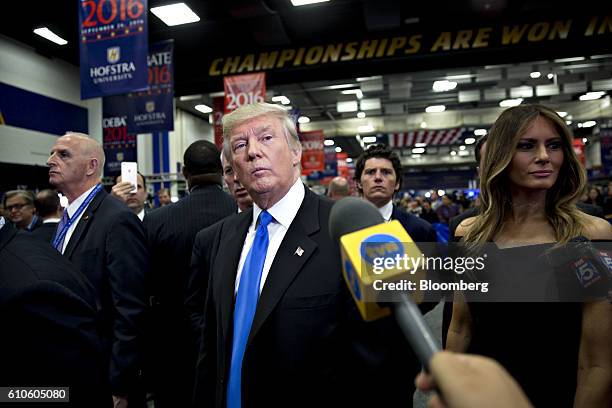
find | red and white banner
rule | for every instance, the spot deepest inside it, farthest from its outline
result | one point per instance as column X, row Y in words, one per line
column 343, row 169
column 313, row 155
column 578, row 145
column 429, row 137
column 243, row 90
column 218, row 108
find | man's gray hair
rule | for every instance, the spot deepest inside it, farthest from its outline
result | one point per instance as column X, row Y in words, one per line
column 255, row 110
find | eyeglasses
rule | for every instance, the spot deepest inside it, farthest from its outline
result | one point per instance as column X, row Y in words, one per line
column 17, row 207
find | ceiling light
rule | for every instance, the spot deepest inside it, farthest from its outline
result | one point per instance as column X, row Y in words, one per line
column 341, row 86
column 349, row 160
column 535, row 74
column 203, row 108
column 369, row 139
column 480, row 132
column 297, row 3
column 568, row 122
column 423, row 125
column 441, row 193
column 370, row 78
column 365, row 128
column 415, row 156
column 420, row 144
column 338, row 149
column 435, row 108
column 453, row 153
column 329, row 142
column 347, row 106
column 190, row 97
column 469, row 140
column 418, row 150
column 50, row 35
column 353, row 92
column 588, row 124
column 175, row 14
column 462, row 147
column 303, row 119
column 585, row 140
column 508, row 103
column 573, row 59
column 589, row 96
column 464, row 153
column 562, row 114
column 282, row 99
column 361, row 115
column 444, row 85
column 550, row 76
column 427, row 194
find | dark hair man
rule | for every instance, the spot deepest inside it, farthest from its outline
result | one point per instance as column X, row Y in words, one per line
column 171, row 231
column 49, row 210
column 106, row 242
column 20, row 210
column 135, row 201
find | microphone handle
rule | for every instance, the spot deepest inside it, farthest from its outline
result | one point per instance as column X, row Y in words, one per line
column 416, row 330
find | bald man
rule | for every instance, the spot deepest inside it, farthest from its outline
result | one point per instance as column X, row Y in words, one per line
column 338, row 188
column 105, row 240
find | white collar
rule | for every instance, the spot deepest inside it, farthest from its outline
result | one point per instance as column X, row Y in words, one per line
column 141, row 214
column 48, row 220
column 74, row 206
column 285, row 210
column 386, row 210
column 2, row 222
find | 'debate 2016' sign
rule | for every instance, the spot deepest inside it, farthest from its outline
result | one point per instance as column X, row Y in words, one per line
column 113, row 47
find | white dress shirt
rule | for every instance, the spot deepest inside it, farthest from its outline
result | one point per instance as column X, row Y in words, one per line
column 141, row 214
column 72, row 208
column 283, row 212
column 386, row 210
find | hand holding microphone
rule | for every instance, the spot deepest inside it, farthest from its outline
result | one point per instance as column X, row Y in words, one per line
column 470, row 381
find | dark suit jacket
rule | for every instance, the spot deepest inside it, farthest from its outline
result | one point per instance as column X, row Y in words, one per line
column 51, row 334
column 108, row 247
column 299, row 351
column 418, row 229
column 199, row 271
column 171, row 231
column 45, row 232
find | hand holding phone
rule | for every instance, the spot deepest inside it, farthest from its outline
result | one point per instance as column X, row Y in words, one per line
column 129, row 173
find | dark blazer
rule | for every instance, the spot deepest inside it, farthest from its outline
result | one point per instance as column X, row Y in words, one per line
column 171, row 231
column 199, row 271
column 108, row 247
column 46, row 231
column 51, row 329
column 300, row 348
column 418, row 229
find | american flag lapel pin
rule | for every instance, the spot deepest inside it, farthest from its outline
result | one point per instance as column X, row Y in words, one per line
column 299, row 251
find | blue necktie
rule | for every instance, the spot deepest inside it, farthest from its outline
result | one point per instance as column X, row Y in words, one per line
column 63, row 222
column 246, row 303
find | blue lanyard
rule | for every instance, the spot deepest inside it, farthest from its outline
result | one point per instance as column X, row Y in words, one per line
column 59, row 237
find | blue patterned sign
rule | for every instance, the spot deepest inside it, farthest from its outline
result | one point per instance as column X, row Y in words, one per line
column 113, row 42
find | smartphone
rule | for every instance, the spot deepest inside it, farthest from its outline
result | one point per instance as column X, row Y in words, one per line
column 129, row 173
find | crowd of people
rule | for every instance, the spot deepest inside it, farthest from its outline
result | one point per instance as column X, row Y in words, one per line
column 238, row 300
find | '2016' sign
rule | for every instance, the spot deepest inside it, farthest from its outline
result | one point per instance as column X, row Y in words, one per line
column 107, row 11
column 243, row 90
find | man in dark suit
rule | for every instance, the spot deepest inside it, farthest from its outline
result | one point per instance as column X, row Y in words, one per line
column 49, row 210
column 49, row 314
column 171, row 231
column 136, row 201
column 279, row 321
column 378, row 176
column 201, row 255
column 106, row 242
column 20, row 210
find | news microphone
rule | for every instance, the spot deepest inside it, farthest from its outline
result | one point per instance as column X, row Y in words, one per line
column 584, row 272
column 362, row 233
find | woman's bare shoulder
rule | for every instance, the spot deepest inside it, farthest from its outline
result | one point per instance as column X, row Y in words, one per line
column 464, row 227
column 596, row 228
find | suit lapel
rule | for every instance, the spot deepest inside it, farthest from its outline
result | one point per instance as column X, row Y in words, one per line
column 294, row 251
column 84, row 223
column 231, row 247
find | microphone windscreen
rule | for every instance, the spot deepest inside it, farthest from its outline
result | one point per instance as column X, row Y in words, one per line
column 352, row 214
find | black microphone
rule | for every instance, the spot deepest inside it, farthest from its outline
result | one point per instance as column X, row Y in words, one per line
column 352, row 222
